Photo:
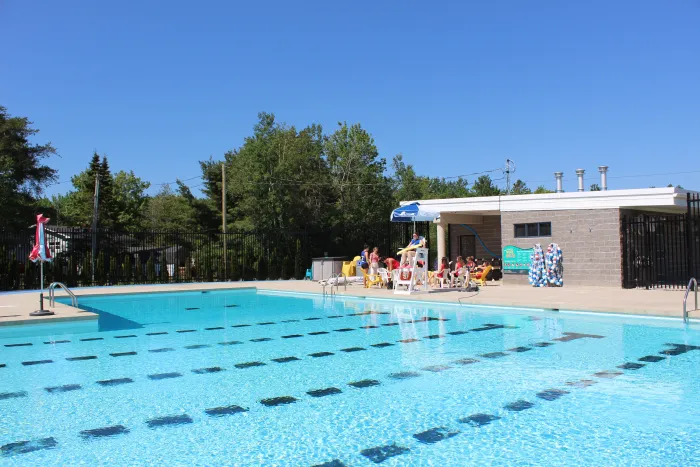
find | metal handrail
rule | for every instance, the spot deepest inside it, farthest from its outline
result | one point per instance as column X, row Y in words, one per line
column 337, row 277
column 52, row 294
column 685, row 299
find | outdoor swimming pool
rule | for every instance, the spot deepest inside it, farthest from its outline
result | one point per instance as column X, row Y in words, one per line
column 263, row 378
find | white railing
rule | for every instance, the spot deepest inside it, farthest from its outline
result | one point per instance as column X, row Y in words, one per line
column 52, row 294
column 694, row 283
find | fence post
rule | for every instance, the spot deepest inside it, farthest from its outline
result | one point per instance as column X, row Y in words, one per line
column 689, row 239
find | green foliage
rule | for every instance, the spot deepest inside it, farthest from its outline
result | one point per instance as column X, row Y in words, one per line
column 169, row 211
column 130, row 201
column 22, row 174
column 164, row 276
column 261, row 269
column 483, row 186
column 113, row 270
column 541, row 190
column 595, row 187
column 126, row 269
column 150, row 270
column 188, row 269
column 29, row 272
column 100, row 278
column 86, row 271
column 138, row 273
column 520, row 188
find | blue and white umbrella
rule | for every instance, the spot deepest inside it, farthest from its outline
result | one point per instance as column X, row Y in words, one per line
column 413, row 212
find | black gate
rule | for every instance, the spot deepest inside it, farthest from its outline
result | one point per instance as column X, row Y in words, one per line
column 661, row 251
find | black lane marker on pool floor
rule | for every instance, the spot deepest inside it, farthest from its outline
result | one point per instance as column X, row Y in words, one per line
column 551, row 394
column 435, row 336
column 223, row 411
column 214, row 329
column 266, row 323
column 285, row 359
column 159, row 376
column 248, row 364
column 679, row 349
column 493, row 355
column 191, row 308
column 542, row 344
column 607, row 374
column 19, row 345
column 12, row 395
column 90, row 339
column 651, row 359
column 434, row 435
column 186, row 330
column 289, row 321
column 122, row 354
column 164, row 349
column 170, row 420
column 353, row 349
column 365, row 383
column 261, row 339
column 125, row 337
column 321, row 354
column 324, row 392
column 57, row 342
column 104, row 431
column 79, row 359
column 437, row 368
column 197, row 346
column 64, row 388
column 318, row 333
column 333, row 463
column 631, row 366
column 379, row 454
column 203, row 371
column 382, row 345
column 369, row 326
column 241, row 325
column 2, row 365
column 344, row 330
column 335, row 316
column 479, row 419
column 156, row 333
column 275, row 401
column 115, row 382
column 292, row 336
column 230, row 343
column 24, row 447
column 408, row 341
column 570, row 336
column 404, row 375
column 36, row 362
column 465, row 361
column 519, row 405
column 520, row 349
column 584, row 383
column 311, row 319
column 457, row 333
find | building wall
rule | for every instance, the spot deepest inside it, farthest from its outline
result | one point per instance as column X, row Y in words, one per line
column 589, row 240
column 489, row 230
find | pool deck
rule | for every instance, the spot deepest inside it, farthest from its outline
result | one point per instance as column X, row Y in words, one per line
column 15, row 307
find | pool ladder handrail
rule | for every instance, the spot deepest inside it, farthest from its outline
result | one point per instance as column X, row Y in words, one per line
column 52, row 294
column 337, row 277
column 685, row 299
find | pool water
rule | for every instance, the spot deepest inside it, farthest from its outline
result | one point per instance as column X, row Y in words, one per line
column 261, row 378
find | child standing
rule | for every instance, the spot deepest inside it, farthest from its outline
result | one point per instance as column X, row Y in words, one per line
column 374, row 261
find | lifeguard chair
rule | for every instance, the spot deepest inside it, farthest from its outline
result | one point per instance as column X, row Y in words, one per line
column 414, row 277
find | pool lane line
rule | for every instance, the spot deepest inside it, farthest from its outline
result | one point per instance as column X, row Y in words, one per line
column 381, row 453
column 487, row 326
column 216, row 328
column 243, row 365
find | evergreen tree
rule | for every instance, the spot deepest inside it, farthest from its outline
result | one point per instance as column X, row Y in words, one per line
column 126, row 269
column 151, row 270
column 163, row 273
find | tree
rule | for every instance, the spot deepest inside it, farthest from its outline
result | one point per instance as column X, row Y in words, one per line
column 483, row 186
column 169, row 211
column 520, row 188
column 542, row 190
column 595, row 187
column 22, row 174
column 77, row 206
column 130, row 201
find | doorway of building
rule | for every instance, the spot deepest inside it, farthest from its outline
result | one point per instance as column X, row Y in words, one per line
column 467, row 246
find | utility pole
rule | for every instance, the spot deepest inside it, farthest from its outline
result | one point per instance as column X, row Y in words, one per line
column 510, row 168
column 95, row 217
column 223, row 215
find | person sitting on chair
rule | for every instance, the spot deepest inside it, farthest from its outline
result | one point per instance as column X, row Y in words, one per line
column 443, row 270
column 460, row 270
column 416, row 242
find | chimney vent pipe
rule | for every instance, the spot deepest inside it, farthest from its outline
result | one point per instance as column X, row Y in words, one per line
column 558, row 176
column 579, row 174
column 603, row 169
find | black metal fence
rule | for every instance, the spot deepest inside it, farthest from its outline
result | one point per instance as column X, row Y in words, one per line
column 661, row 251
column 85, row 258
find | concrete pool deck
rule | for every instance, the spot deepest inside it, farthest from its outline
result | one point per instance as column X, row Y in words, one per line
column 15, row 307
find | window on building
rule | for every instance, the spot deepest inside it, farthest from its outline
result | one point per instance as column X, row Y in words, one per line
column 534, row 229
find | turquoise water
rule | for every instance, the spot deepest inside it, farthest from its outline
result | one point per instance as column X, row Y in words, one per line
column 246, row 378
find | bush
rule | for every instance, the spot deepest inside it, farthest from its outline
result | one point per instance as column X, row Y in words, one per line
column 113, row 270
column 164, row 275
column 126, row 269
column 150, row 270
column 139, row 271
column 261, row 269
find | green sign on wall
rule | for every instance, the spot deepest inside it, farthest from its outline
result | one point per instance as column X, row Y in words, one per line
column 516, row 259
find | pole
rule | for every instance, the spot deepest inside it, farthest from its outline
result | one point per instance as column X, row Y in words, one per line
column 41, row 281
column 223, row 215
column 95, row 216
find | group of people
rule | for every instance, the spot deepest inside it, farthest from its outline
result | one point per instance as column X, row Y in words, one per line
column 470, row 266
column 371, row 261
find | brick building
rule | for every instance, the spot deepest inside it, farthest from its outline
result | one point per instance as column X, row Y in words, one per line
column 585, row 225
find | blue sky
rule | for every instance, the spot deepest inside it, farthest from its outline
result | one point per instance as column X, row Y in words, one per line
column 457, row 87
